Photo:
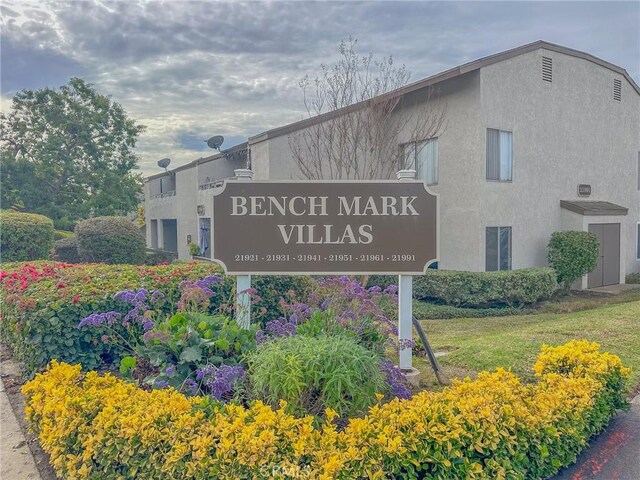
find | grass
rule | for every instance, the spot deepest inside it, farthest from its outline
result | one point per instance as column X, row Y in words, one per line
column 475, row 344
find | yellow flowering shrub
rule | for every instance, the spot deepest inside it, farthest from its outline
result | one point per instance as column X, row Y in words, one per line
column 494, row 427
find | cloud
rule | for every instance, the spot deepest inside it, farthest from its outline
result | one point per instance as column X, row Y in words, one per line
column 17, row 64
column 189, row 70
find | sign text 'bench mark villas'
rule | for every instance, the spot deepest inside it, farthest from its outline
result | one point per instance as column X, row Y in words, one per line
column 315, row 227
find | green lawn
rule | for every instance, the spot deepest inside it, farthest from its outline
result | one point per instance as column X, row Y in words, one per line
column 476, row 344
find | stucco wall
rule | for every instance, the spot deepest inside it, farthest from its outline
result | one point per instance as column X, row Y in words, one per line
column 260, row 159
column 566, row 132
column 460, row 170
column 216, row 169
column 186, row 195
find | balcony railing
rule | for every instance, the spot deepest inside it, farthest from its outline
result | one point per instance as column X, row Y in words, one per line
column 209, row 185
column 171, row 193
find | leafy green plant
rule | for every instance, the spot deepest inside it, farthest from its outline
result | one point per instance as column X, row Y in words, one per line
column 194, row 249
column 24, row 236
column 514, row 288
column 572, row 254
column 127, row 364
column 110, row 240
column 187, row 342
column 312, row 374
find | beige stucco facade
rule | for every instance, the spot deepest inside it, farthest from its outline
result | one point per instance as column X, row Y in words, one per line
column 565, row 132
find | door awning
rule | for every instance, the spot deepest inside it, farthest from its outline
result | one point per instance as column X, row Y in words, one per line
column 593, row 207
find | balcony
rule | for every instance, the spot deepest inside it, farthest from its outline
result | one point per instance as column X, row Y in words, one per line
column 210, row 185
column 171, row 193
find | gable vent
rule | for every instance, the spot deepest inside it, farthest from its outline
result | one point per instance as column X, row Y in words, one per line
column 617, row 89
column 547, row 69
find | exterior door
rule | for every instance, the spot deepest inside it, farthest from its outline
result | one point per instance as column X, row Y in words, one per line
column 607, row 271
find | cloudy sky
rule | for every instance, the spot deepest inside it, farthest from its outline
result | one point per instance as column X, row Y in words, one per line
column 191, row 69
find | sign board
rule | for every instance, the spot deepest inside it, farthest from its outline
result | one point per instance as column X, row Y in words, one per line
column 325, row 227
column 584, row 190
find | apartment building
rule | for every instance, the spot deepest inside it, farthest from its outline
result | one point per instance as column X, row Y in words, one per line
column 537, row 139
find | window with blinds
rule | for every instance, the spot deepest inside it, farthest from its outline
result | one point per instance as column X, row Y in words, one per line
column 423, row 158
column 498, row 249
column 499, row 155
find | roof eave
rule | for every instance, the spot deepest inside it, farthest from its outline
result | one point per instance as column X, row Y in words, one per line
column 441, row 77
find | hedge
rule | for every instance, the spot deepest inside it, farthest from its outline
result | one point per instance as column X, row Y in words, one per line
column 573, row 254
column 110, row 240
column 481, row 289
column 427, row 310
column 493, row 427
column 43, row 302
column 24, row 236
column 154, row 256
column 66, row 250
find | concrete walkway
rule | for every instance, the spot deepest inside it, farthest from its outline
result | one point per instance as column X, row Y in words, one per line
column 16, row 460
column 614, row 454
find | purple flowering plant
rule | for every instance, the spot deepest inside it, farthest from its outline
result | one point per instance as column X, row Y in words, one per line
column 126, row 330
column 339, row 305
column 342, row 306
column 177, row 344
column 397, row 382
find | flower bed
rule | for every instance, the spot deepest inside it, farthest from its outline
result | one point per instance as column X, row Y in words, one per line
column 493, row 427
column 43, row 302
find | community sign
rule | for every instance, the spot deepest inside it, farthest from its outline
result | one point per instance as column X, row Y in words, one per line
column 318, row 227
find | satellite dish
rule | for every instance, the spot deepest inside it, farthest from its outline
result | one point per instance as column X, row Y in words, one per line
column 164, row 163
column 215, row 142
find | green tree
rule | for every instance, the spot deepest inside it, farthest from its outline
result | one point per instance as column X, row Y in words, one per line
column 68, row 154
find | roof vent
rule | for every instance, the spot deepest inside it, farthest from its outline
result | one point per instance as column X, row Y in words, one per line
column 547, row 69
column 617, row 89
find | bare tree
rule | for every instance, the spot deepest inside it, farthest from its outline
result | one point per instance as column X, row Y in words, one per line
column 363, row 119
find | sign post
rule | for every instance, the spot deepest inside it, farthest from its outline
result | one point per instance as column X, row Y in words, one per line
column 405, row 302
column 243, row 282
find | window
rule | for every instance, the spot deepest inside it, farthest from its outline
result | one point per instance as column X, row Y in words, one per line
column 498, row 249
column 638, row 241
column 423, row 158
column 638, row 170
column 499, row 155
